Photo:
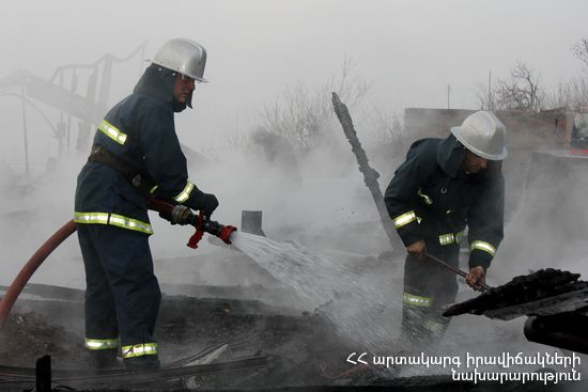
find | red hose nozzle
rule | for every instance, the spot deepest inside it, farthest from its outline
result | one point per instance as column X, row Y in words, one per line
column 225, row 233
column 219, row 230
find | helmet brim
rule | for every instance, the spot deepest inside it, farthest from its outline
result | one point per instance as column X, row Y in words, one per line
column 456, row 131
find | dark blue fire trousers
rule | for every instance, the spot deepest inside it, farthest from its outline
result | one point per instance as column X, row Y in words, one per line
column 428, row 287
column 122, row 294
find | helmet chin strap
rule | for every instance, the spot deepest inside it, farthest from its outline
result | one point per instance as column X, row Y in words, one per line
column 189, row 99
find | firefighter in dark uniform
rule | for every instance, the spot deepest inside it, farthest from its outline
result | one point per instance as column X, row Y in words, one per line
column 136, row 155
column 443, row 186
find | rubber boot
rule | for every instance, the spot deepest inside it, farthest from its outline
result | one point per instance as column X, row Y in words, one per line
column 142, row 364
column 104, row 359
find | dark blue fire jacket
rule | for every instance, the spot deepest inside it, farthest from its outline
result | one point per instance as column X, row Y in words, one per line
column 139, row 130
column 430, row 197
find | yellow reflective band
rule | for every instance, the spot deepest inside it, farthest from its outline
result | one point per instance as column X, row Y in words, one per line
column 91, row 217
column 415, row 300
column 104, row 218
column 185, row 194
column 101, row 344
column 434, row 325
column 484, row 246
column 404, row 219
column 131, row 224
column 459, row 237
column 152, row 190
column 426, row 198
column 448, row 239
column 138, row 350
column 112, row 132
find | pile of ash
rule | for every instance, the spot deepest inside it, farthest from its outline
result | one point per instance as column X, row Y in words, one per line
column 524, row 289
column 302, row 348
column 27, row 336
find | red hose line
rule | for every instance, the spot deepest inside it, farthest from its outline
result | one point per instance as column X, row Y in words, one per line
column 31, row 266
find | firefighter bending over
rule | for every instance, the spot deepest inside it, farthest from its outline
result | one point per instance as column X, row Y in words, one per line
column 136, row 155
column 443, row 185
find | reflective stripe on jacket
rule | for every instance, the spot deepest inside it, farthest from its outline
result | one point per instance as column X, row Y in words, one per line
column 104, row 218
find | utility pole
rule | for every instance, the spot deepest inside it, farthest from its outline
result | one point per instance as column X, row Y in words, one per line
column 448, row 94
column 490, row 104
column 24, row 126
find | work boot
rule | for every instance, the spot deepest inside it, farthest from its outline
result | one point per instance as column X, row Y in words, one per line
column 104, row 359
column 142, row 364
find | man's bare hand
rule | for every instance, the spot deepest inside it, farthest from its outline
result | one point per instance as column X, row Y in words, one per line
column 417, row 248
column 475, row 277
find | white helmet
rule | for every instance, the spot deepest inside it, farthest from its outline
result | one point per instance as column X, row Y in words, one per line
column 483, row 134
column 183, row 56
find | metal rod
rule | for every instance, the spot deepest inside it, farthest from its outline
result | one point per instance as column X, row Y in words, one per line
column 459, row 272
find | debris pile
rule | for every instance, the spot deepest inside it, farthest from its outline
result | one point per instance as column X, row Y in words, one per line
column 302, row 348
column 27, row 336
column 543, row 284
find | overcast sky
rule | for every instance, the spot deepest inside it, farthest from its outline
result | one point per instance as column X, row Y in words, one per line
column 410, row 50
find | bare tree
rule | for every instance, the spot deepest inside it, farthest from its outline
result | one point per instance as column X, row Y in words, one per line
column 571, row 94
column 580, row 51
column 384, row 128
column 299, row 114
column 521, row 91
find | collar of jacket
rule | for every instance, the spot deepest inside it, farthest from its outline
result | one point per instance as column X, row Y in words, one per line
column 450, row 155
column 158, row 81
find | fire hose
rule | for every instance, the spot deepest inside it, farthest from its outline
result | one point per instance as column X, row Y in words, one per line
column 176, row 214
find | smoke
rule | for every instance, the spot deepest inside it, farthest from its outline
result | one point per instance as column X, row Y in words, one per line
column 34, row 207
column 548, row 228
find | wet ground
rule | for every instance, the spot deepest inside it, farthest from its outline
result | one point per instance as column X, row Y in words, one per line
column 302, row 348
column 305, row 351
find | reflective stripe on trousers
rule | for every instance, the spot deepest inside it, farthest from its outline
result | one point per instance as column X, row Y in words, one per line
column 101, row 344
column 105, row 218
column 139, row 350
column 416, row 300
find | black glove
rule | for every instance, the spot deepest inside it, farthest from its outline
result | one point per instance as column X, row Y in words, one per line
column 209, row 204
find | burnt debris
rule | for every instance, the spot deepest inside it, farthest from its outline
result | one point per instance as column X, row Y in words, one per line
column 547, row 290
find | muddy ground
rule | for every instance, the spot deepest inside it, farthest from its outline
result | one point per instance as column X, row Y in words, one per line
column 303, row 348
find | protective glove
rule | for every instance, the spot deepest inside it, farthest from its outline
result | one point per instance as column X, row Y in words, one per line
column 208, row 204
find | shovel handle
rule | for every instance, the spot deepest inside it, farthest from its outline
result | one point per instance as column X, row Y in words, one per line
column 459, row 272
